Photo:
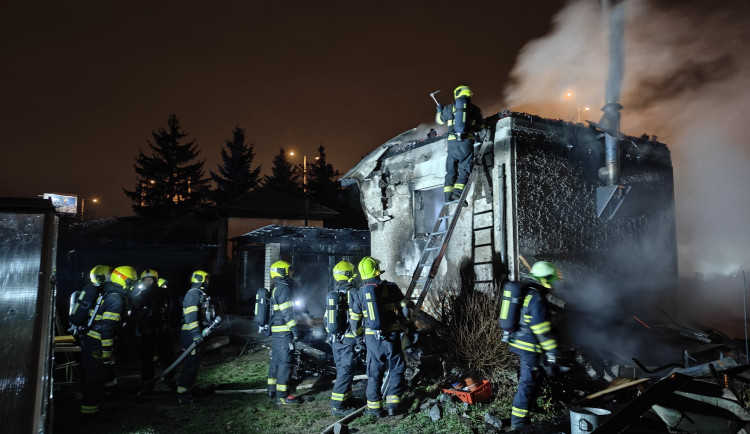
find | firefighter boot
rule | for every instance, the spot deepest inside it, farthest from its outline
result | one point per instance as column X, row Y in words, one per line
column 393, row 410
column 376, row 412
column 341, row 412
column 289, row 400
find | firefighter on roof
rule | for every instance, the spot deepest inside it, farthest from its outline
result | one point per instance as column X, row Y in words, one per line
column 193, row 315
column 284, row 334
column 342, row 335
column 151, row 305
column 97, row 345
column 533, row 339
column 463, row 119
column 382, row 304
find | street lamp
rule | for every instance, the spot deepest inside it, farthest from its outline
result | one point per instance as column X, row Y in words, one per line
column 571, row 94
column 93, row 200
column 304, row 182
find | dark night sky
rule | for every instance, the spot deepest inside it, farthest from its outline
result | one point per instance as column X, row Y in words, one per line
column 84, row 83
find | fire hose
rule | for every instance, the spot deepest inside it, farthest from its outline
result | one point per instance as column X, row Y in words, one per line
column 187, row 351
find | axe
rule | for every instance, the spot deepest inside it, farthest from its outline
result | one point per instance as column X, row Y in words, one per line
column 435, row 99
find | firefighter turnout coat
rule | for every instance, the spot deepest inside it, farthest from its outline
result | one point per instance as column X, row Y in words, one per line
column 97, row 345
column 283, row 331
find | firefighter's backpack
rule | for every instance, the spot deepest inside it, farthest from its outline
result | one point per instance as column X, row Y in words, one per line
column 510, row 308
column 88, row 298
column 262, row 307
column 372, row 304
column 459, row 116
column 336, row 312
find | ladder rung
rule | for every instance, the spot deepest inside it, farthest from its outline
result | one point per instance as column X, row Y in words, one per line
column 431, row 248
column 482, row 245
column 483, row 262
column 482, row 212
column 439, row 233
column 483, row 228
column 445, row 217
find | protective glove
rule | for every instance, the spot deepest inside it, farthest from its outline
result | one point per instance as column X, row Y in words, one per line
column 198, row 340
column 295, row 333
column 358, row 347
column 551, row 359
column 439, row 108
column 292, row 346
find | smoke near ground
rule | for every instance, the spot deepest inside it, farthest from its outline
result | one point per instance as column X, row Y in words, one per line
column 687, row 81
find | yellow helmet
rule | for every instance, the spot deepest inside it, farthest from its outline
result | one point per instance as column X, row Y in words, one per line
column 369, row 267
column 462, row 91
column 100, row 274
column 280, row 269
column 344, row 271
column 150, row 272
column 545, row 273
column 125, row 276
column 162, row 283
column 200, row 276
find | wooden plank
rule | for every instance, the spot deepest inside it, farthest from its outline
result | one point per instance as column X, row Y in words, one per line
column 618, row 385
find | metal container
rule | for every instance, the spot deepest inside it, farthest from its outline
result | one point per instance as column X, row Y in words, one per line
column 586, row 419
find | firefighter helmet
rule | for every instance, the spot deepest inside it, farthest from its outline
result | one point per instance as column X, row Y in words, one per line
column 200, row 277
column 344, row 270
column 464, row 91
column 280, row 269
column 162, row 283
column 125, row 276
column 100, row 274
column 150, row 272
column 369, row 267
column 545, row 273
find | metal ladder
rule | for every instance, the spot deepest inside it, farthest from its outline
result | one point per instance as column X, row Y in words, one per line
column 437, row 240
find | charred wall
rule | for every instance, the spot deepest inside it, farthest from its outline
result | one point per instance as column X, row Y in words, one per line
column 556, row 177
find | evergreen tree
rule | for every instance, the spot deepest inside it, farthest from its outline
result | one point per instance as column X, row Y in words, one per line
column 284, row 176
column 168, row 183
column 236, row 175
column 322, row 181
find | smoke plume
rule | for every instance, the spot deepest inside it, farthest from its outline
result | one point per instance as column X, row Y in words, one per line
column 687, row 81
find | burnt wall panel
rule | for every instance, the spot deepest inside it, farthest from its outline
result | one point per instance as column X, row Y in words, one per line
column 556, row 182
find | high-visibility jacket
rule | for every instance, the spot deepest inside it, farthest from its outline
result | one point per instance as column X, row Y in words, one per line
column 192, row 314
column 535, row 329
column 108, row 316
column 282, row 316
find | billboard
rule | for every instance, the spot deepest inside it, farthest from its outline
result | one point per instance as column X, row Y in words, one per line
column 63, row 203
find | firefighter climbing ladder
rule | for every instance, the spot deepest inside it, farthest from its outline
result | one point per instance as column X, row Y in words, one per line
column 438, row 239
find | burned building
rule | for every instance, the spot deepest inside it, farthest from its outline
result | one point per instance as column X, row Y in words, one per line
column 538, row 196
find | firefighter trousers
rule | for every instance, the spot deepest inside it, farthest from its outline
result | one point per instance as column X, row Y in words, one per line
column 381, row 355
column 94, row 374
column 529, row 380
column 458, row 162
column 343, row 357
column 157, row 343
column 280, row 365
column 190, row 364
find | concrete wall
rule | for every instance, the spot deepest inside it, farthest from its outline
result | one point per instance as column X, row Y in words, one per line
column 540, row 184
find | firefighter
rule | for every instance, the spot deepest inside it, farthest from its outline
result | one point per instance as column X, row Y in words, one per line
column 342, row 336
column 533, row 340
column 151, row 305
column 284, row 334
column 463, row 119
column 97, row 345
column 383, row 307
column 193, row 312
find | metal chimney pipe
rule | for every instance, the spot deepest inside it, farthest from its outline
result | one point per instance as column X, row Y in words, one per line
column 611, row 118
